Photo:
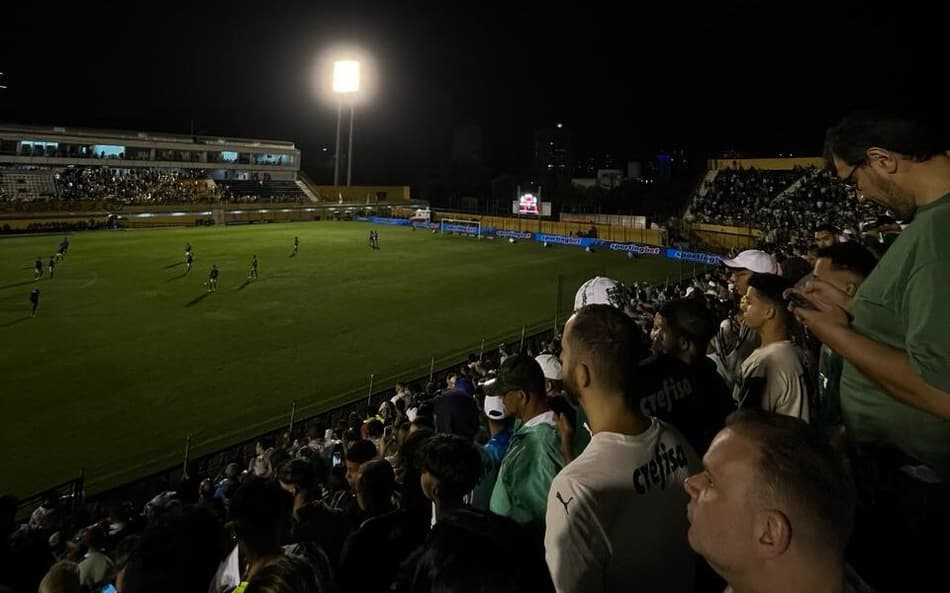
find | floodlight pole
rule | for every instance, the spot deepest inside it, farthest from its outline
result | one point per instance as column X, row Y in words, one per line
column 336, row 155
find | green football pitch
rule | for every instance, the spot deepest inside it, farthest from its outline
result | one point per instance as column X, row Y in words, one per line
column 128, row 353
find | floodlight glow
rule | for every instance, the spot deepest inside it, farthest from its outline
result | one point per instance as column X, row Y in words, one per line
column 346, row 76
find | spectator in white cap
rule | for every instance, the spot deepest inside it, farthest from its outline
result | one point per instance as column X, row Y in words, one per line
column 603, row 291
column 571, row 420
column 500, row 426
column 743, row 340
column 750, row 261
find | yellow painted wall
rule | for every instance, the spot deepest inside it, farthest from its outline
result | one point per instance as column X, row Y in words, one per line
column 604, row 231
column 360, row 193
column 22, row 223
column 722, row 237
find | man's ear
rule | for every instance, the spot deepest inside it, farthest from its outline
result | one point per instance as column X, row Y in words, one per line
column 773, row 533
column 583, row 376
column 881, row 159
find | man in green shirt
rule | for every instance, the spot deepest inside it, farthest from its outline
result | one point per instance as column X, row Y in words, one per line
column 534, row 452
column 894, row 337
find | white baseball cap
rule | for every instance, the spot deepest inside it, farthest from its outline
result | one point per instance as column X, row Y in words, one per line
column 495, row 407
column 550, row 365
column 603, row 291
column 753, row 260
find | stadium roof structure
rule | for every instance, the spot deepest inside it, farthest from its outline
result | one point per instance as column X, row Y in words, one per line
column 79, row 133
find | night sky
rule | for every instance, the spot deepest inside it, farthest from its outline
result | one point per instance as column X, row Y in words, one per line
column 630, row 78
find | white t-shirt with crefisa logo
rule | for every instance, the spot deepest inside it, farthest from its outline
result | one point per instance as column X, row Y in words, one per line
column 616, row 515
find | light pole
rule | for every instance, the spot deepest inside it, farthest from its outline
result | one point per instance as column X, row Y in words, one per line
column 346, row 81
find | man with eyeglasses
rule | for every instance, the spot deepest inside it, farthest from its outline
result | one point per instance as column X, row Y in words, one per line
column 894, row 336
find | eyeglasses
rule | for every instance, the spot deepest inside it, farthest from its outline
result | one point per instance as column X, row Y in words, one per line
column 849, row 181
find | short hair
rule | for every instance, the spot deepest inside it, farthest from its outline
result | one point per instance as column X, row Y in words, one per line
column 62, row 577
column 423, row 423
column 772, row 287
column 850, row 256
column 96, row 538
column 411, row 496
column 519, row 371
column 361, row 452
column 377, row 482
column 284, row 574
column 260, row 508
column 463, row 550
column 615, row 343
column 454, row 461
column 298, row 472
column 798, row 469
column 691, row 319
column 375, row 428
column 861, row 130
column 826, row 227
column 795, row 268
column 191, row 540
column 266, row 442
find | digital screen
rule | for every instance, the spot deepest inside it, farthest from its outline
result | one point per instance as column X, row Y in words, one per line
column 528, row 204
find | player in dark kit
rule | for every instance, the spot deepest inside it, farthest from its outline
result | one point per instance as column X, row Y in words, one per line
column 252, row 275
column 35, row 299
column 187, row 248
column 52, row 266
column 213, row 278
column 188, row 261
column 296, row 244
column 37, row 268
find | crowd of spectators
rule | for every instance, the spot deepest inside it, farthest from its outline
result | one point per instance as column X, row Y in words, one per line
column 134, row 186
column 785, row 205
column 728, row 432
column 151, row 187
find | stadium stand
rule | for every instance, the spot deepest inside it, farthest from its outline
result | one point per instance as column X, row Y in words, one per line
column 263, row 190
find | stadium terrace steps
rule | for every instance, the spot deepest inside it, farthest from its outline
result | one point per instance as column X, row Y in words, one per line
column 287, row 190
column 26, row 184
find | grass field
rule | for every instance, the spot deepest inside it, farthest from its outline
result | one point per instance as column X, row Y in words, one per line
column 128, row 354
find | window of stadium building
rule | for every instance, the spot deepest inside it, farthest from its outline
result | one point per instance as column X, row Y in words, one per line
column 108, row 151
column 227, row 156
column 39, row 147
column 273, row 159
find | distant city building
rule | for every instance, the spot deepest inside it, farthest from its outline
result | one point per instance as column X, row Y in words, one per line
column 553, row 150
column 609, row 178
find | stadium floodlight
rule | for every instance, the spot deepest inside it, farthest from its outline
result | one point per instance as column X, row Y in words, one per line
column 346, row 76
column 346, row 81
